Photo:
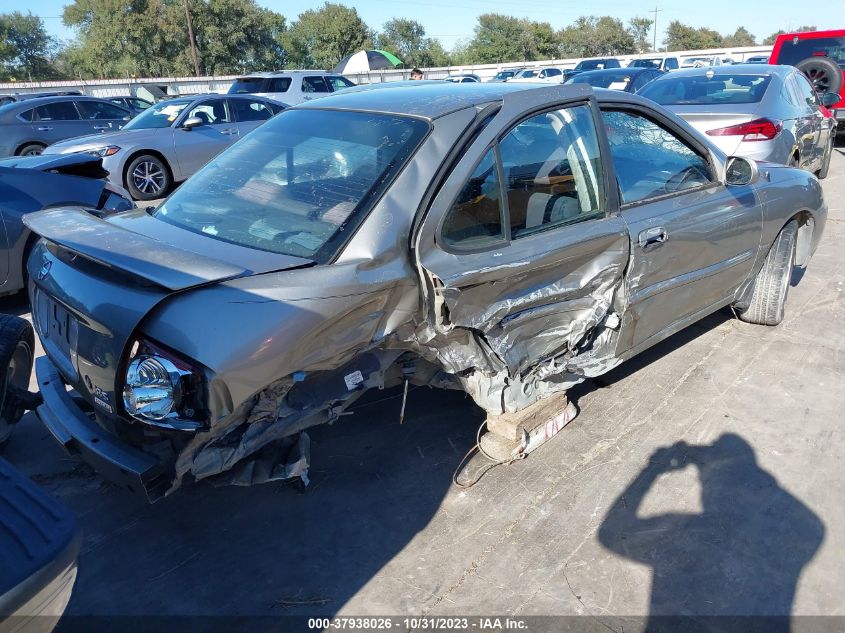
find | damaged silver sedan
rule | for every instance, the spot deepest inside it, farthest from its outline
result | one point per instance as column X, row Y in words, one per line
column 505, row 240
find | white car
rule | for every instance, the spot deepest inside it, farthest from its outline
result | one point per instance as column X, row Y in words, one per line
column 701, row 62
column 292, row 86
column 550, row 75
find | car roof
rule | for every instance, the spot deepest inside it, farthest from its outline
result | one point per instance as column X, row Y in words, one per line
column 632, row 70
column 434, row 98
column 286, row 73
column 733, row 69
column 34, row 102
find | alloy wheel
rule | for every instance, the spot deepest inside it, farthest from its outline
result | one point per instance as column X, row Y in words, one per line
column 148, row 177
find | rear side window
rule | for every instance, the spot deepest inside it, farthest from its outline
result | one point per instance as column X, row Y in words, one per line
column 339, row 83
column 27, row 115
column 552, row 171
column 99, row 110
column 549, row 174
column 247, row 85
column 671, row 63
column 798, row 49
column 246, row 110
column 56, row 111
column 314, row 84
column 703, row 90
column 475, row 219
column 279, row 84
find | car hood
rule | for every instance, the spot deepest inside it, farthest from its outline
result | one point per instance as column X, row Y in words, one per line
column 91, row 141
column 152, row 250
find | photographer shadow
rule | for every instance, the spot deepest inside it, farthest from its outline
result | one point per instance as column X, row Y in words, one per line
column 741, row 556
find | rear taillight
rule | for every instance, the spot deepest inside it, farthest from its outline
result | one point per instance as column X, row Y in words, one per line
column 757, row 130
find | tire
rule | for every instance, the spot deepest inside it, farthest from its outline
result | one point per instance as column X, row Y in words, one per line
column 147, row 178
column 768, row 297
column 31, row 149
column 17, row 343
column 826, row 160
column 823, row 73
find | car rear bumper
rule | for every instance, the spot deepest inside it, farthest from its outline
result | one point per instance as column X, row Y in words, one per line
column 113, row 458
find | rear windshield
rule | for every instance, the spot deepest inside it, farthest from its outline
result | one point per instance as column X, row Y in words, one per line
column 701, row 90
column 162, row 114
column 299, row 184
column 792, row 52
column 646, row 63
column 247, row 85
column 603, row 79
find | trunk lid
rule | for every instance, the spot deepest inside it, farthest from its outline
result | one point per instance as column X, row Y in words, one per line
column 94, row 280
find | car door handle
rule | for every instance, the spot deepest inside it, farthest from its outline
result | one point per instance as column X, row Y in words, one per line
column 102, row 127
column 653, row 237
column 44, row 128
column 229, row 131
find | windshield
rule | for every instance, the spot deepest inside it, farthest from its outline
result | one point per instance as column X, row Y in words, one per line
column 646, row 63
column 593, row 64
column 701, row 90
column 299, row 184
column 246, row 85
column 603, row 79
column 162, row 114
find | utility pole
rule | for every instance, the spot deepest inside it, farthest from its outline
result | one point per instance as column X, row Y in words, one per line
column 192, row 40
column 655, row 11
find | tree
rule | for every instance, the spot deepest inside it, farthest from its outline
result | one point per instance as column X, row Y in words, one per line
column 590, row 36
column 321, row 38
column 801, row 29
column 640, row 30
column 26, row 50
column 120, row 38
column 741, row 37
column 498, row 38
column 406, row 39
column 680, row 37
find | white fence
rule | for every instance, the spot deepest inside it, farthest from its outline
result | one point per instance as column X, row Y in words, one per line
column 195, row 85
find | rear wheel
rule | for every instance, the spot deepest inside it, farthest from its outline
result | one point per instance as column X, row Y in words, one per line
column 823, row 73
column 31, row 149
column 768, row 297
column 147, row 177
column 17, row 343
column 826, row 160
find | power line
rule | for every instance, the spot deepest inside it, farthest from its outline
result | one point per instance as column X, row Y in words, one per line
column 655, row 11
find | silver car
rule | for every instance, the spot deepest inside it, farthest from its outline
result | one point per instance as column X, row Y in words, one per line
column 768, row 113
column 501, row 239
column 171, row 140
column 30, row 125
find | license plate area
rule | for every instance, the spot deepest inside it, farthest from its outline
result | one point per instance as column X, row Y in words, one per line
column 59, row 331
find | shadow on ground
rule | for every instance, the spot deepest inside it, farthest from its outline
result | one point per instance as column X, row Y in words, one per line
column 742, row 555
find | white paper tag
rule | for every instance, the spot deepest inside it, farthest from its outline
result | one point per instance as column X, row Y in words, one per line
column 353, row 380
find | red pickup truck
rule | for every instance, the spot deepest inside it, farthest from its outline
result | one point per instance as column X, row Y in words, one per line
column 821, row 56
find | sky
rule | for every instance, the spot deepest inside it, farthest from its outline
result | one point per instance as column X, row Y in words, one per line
column 452, row 22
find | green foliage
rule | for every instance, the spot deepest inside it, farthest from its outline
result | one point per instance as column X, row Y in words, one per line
column 590, row 36
column 321, row 38
column 640, row 30
column 406, row 39
column 26, row 50
column 148, row 38
column 680, row 37
column 741, row 37
column 801, row 29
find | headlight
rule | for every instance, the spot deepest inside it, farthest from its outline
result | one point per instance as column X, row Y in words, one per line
column 162, row 390
column 102, row 152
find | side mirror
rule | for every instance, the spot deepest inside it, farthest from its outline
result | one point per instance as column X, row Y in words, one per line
column 829, row 99
column 740, row 171
column 191, row 122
